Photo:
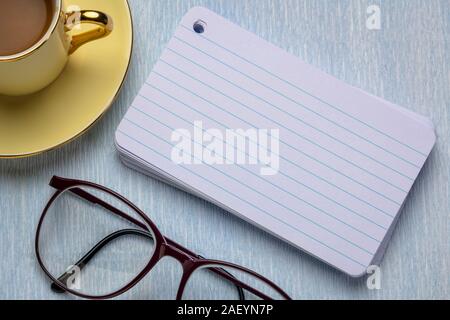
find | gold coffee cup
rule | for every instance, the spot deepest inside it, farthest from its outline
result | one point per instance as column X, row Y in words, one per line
column 35, row 68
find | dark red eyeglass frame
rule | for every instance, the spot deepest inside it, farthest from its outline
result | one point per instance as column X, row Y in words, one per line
column 164, row 247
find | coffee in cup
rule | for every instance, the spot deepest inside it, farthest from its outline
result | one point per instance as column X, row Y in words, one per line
column 23, row 23
column 36, row 41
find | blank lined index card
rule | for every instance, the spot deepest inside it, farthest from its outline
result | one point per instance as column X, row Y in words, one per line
column 318, row 163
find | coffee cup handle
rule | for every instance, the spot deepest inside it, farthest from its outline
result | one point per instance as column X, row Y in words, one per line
column 103, row 22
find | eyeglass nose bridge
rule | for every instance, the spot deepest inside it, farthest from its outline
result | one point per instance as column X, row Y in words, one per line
column 170, row 250
column 187, row 261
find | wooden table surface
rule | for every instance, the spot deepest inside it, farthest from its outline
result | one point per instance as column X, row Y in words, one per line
column 406, row 62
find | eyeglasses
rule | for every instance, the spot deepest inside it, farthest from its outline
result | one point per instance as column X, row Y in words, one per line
column 95, row 244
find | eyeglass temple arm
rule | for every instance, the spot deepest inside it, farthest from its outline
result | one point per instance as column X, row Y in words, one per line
column 88, row 256
column 83, row 261
column 91, row 253
column 60, row 183
column 118, row 212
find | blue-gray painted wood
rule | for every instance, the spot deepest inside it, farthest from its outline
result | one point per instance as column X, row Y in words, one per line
column 407, row 62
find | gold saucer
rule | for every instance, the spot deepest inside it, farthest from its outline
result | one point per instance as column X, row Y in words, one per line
column 85, row 90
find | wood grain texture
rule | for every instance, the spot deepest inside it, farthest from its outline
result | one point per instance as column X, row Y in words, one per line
column 407, row 62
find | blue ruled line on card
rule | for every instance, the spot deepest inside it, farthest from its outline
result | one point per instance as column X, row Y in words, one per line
column 264, row 195
column 287, row 98
column 339, row 109
column 267, row 181
column 245, row 201
column 295, row 164
column 278, row 123
column 283, row 142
